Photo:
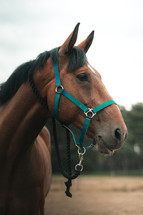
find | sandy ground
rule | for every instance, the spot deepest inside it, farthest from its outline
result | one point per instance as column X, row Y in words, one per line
column 97, row 196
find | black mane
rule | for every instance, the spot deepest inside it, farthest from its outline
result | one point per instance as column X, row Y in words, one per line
column 77, row 58
column 20, row 76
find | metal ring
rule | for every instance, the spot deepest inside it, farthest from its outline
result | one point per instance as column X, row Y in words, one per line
column 90, row 113
column 81, row 153
column 79, row 167
column 60, row 87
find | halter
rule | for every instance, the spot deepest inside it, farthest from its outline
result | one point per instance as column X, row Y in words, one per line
column 89, row 112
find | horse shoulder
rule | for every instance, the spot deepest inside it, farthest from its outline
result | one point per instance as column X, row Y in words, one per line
column 45, row 135
column 43, row 140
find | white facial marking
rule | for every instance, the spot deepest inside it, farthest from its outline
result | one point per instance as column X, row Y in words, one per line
column 91, row 68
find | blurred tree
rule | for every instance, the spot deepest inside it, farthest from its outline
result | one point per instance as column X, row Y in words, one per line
column 135, row 124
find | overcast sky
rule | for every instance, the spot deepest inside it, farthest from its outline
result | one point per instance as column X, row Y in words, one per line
column 29, row 27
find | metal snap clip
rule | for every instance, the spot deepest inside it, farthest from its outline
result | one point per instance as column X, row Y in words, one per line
column 79, row 167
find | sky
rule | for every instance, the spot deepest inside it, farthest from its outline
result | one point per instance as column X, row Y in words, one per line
column 30, row 27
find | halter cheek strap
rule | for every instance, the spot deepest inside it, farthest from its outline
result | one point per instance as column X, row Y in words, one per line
column 89, row 112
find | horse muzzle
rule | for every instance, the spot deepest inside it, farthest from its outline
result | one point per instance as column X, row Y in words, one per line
column 107, row 144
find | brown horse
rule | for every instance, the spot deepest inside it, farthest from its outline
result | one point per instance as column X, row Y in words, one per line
column 25, row 153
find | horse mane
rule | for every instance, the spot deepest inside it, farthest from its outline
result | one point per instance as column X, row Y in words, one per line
column 21, row 75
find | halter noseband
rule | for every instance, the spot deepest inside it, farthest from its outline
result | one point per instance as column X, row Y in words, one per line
column 89, row 112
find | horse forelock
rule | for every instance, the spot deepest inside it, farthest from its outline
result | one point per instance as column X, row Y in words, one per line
column 76, row 58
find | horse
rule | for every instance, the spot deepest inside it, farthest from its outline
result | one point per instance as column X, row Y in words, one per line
column 25, row 106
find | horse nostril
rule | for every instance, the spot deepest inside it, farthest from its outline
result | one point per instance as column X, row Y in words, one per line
column 118, row 134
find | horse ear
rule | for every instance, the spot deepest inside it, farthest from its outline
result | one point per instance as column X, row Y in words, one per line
column 87, row 42
column 69, row 43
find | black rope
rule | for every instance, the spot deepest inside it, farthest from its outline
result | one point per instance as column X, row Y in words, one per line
column 68, row 174
column 43, row 101
column 68, row 151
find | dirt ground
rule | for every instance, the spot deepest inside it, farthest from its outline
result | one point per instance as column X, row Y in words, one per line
column 98, row 195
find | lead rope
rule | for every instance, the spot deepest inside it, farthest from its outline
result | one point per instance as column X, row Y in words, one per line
column 67, row 175
column 69, row 182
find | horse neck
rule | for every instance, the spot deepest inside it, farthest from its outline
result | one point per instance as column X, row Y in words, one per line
column 21, row 120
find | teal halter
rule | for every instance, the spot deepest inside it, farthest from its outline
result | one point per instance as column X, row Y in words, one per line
column 89, row 112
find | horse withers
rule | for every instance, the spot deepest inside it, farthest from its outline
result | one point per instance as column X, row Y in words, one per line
column 25, row 151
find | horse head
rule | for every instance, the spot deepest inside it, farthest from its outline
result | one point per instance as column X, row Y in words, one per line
column 83, row 82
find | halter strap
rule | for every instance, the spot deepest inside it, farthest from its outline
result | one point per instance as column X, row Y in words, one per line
column 89, row 112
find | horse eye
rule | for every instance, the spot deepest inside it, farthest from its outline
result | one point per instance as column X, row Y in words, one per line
column 83, row 77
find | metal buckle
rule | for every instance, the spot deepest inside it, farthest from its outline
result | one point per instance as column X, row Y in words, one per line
column 90, row 113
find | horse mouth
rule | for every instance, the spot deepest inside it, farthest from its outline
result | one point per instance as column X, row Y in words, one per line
column 102, row 147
